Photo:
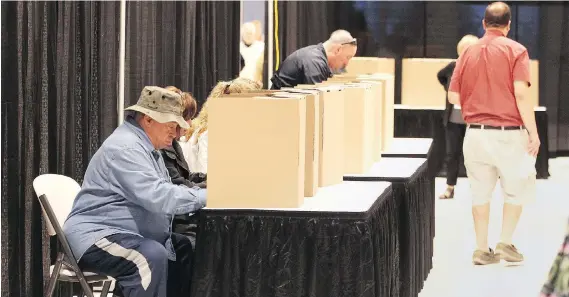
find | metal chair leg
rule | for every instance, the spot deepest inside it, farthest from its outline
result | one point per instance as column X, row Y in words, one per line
column 54, row 275
column 85, row 287
column 106, row 287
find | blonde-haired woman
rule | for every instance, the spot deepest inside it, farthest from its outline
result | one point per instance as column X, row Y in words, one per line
column 195, row 148
column 455, row 126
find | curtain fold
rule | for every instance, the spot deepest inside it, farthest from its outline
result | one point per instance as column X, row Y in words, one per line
column 59, row 99
column 189, row 44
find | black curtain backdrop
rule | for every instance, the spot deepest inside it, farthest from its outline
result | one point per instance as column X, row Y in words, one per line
column 303, row 23
column 59, row 102
column 554, row 73
column 405, row 29
column 189, row 44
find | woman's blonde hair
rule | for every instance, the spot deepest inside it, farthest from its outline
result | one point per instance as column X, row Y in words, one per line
column 465, row 42
column 238, row 85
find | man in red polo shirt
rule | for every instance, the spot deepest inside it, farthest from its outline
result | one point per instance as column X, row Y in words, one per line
column 490, row 83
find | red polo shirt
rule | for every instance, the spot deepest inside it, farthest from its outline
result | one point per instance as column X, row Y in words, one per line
column 484, row 77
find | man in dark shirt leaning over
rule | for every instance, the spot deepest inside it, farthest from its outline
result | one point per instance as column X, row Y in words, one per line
column 316, row 63
column 490, row 82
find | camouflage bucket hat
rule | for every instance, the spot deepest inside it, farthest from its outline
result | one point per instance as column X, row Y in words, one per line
column 161, row 105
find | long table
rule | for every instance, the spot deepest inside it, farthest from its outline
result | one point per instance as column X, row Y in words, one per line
column 344, row 241
column 407, row 147
column 427, row 122
column 413, row 188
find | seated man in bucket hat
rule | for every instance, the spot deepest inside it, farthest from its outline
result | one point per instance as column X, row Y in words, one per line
column 120, row 224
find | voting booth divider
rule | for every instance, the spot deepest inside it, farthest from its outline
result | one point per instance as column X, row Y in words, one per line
column 370, row 65
column 419, row 83
column 366, row 69
column 312, row 134
column 386, row 91
column 359, row 138
column 331, row 125
column 421, row 88
column 256, row 157
column 283, row 145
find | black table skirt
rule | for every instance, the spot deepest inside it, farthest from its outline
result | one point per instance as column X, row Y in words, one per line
column 275, row 253
column 416, row 197
column 427, row 123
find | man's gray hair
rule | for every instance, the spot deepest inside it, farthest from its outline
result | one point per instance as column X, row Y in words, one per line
column 340, row 37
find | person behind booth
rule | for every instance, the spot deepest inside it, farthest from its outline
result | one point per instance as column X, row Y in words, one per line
column 179, row 170
column 195, row 149
column 453, row 122
column 316, row 63
column 120, row 221
column 252, row 53
column 490, row 81
column 259, row 36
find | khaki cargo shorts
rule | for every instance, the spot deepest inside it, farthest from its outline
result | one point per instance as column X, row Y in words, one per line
column 490, row 155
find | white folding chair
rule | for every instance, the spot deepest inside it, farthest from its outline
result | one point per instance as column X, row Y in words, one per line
column 56, row 194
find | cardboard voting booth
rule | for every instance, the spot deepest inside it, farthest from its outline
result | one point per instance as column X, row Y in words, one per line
column 420, row 86
column 369, row 65
column 387, row 98
column 256, row 152
column 358, row 125
column 331, row 129
column 311, row 134
column 419, row 83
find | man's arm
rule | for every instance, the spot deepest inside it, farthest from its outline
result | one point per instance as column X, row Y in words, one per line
column 132, row 175
column 454, row 87
column 453, row 98
column 521, row 85
column 525, row 106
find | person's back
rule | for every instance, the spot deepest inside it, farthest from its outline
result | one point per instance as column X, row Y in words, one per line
column 316, row 63
column 490, row 83
column 89, row 221
column 307, row 65
column 489, row 68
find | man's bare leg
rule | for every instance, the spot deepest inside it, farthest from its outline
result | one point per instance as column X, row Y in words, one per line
column 511, row 217
column 481, row 216
column 505, row 249
column 483, row 255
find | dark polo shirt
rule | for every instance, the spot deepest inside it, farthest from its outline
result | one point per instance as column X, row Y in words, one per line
column 308, row 65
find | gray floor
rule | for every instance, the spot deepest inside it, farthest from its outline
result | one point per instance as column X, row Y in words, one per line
column 539, row 235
